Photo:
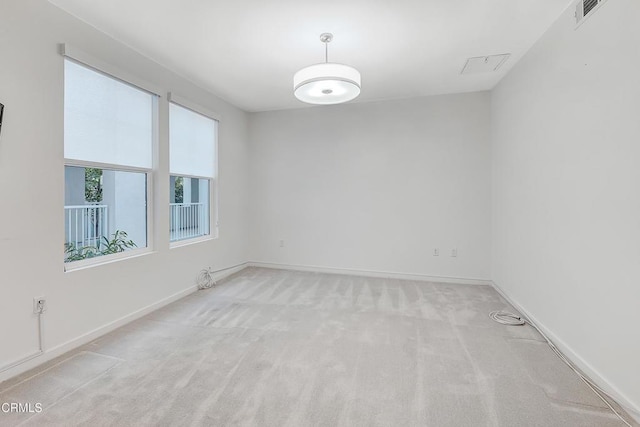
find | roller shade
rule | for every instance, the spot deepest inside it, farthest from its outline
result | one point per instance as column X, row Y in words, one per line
column 192, row 142
column 106, row 120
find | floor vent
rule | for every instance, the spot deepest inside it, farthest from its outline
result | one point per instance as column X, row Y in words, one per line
column 585, row 8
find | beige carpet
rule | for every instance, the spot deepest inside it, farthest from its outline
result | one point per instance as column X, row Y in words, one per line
column 281, row 348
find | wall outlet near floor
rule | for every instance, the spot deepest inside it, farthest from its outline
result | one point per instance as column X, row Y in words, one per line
column 436, row 252
column 282, row 243
column 39, row 305
column 454, row 252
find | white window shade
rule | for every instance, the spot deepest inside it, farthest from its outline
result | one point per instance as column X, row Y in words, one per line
column 106, row 120
column 193, row 141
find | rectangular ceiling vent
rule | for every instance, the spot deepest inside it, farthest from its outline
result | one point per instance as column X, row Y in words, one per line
column 484, row 64
column 585, row 8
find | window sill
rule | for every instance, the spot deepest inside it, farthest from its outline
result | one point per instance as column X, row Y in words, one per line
column 188, row 242
column 106, row 259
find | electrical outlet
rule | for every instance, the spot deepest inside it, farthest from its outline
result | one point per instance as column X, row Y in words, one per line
column 436, row 252
column 39, row 305
column 454, row 252
column 282, row 243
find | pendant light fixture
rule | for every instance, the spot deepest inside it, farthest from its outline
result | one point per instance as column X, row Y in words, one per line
column 328, row 82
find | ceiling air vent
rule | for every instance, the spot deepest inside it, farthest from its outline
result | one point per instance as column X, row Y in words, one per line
column 585, row 8
column 484, row 64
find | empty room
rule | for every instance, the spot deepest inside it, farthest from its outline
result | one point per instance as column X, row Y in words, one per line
column 340, row 213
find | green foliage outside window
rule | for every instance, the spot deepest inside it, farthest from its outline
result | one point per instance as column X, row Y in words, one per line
column 93, row 185
column 179, row 190
column 104, row 246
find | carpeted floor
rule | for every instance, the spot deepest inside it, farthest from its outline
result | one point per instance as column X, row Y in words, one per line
column 281, row 348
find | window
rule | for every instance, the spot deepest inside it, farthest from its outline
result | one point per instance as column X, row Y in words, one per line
column 109, row 129
column 193, row 138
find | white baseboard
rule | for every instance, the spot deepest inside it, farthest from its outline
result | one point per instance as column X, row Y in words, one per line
column 226, row 272
column 589, row 371
column 372, row 273
column 60, row 349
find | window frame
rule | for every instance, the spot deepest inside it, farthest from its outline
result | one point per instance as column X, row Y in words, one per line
column 85, row 60
column 214, row 223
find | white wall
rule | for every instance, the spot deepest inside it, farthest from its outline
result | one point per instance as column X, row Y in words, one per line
column 566, row 199
column 375, row 186
column 32, row 187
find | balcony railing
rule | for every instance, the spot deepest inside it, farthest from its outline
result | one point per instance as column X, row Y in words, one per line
column 86, row 224
column 187, row 220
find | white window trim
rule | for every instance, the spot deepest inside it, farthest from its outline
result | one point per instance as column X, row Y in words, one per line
column 191, row 241
column 93, row 63
column 109, row 166
column 106, row 259
column 213, row 181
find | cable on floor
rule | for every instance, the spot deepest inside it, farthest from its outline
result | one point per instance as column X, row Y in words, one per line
column 506, row 318
column 205, row 279
column 40, row 309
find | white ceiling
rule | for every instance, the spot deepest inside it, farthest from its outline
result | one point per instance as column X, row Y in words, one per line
column 246, row 51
